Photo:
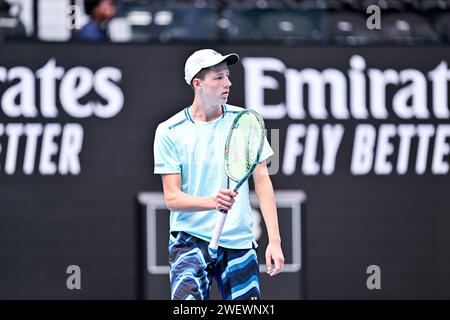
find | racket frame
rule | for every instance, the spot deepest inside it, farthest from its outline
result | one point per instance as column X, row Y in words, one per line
column 214, row 243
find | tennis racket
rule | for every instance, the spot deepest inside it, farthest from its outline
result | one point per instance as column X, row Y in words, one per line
column 242, row 151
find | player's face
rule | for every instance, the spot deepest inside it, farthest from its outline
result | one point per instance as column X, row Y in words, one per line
column 216, row 85
column 106, row 9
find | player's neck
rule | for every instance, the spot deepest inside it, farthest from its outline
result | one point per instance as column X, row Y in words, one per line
column 204, row 112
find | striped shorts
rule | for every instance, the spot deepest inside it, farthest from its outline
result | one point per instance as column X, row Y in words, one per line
column 192, row 270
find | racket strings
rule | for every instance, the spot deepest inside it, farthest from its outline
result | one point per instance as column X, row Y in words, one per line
column 244, row 146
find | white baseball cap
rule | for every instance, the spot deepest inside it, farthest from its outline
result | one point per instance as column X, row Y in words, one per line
column 203, row 59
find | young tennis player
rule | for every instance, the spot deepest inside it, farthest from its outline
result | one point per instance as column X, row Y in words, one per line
column 189, row 155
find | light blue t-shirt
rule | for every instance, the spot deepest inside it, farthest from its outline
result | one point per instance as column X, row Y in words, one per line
column 195, row 150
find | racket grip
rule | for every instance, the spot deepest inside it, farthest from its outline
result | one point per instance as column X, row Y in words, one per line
column 214, row 244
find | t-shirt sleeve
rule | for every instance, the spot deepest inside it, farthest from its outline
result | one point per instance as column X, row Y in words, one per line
column 266, row 151
column 165, row 154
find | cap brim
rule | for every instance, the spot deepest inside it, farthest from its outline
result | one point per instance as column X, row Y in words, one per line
column 231, row 58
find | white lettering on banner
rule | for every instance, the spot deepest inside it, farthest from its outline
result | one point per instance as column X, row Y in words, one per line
column 108, row 91
column 440, row 77
column 361, row 93
column 19, row 99
column 294, row 95
column 331, row 137
column 256, row 82
column 379, row 80
column 293, row 148
column 49, row 149
column 310, row 165
column 358, row 106
column 14, row 131
column 52, row 148
column 406, row 133
column 385, row 149
column 76, row 84
column 22, row 91
column 48, row 75
column 71, row 144
column 425, row 133
column 362, row 158
column 60, row 147
column 316, row 84
column 441, row 149
column 411, row 86
column 368, row 155
column 416, row 91
column 32, row 132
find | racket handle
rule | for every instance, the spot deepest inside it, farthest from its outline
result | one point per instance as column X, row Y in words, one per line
column 214, row 244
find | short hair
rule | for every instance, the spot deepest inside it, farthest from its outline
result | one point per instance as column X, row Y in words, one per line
column 4, row 6
column 200, row 75
column 89, row 5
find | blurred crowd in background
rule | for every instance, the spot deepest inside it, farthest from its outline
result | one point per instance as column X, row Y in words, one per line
column 284, row 21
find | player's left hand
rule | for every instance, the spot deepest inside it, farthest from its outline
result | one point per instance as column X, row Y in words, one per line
column 274, row 259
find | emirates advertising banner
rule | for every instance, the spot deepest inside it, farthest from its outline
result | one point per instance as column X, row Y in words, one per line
column 361, row 167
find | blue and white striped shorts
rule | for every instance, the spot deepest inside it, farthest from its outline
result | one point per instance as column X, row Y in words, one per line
column 192, row 270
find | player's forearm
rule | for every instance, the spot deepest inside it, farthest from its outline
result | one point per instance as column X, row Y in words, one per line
column 266, row 197
column 181, row 201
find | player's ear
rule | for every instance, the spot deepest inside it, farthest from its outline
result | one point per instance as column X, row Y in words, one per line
column 196, row 83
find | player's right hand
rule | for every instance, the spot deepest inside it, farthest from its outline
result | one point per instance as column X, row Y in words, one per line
column 224, row 199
